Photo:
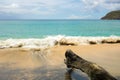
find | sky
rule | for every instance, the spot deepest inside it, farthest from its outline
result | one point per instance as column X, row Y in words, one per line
column 56, row 9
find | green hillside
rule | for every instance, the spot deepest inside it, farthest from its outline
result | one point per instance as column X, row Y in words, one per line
column 113, row 15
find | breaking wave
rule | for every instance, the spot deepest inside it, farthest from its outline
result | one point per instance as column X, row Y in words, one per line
column 51, row 41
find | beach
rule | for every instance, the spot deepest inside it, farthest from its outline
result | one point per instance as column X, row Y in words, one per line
column 35, row 49
column 35, row 35
column 48, row 63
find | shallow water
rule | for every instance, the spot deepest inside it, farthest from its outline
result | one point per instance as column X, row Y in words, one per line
column 41, row 73
column 46, row 33
column 19, row 68
column 42, row 28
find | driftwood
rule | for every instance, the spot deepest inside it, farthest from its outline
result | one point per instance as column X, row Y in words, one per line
column 94, row 71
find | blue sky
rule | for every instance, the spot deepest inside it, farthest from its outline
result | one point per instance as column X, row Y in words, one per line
column 56, row 9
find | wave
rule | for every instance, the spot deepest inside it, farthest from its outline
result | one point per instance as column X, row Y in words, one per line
column 51, row 41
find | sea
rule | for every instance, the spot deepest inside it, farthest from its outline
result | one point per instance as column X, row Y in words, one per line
column 46, row 33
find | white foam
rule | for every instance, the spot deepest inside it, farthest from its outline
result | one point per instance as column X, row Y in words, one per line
column 51, row 41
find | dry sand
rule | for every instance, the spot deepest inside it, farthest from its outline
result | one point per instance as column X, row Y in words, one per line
column 105, row 55
column 19, row 63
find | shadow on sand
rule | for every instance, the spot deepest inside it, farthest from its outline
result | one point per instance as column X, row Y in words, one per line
column 41, row 73
column 74, row 75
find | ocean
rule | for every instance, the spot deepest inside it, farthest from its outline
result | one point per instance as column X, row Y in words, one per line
column 47, row 32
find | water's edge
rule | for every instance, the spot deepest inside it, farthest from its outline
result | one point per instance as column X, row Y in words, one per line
column 51, row 41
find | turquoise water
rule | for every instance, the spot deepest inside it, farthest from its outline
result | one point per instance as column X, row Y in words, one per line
column 43, row 28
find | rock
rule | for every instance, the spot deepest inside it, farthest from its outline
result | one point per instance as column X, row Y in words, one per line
column 92, row 42
column 118, row 41
column 111, row 41
column 67, row 42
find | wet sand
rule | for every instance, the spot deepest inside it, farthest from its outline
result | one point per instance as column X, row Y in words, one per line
column 48, row 64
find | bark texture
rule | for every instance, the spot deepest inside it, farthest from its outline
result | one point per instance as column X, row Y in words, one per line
column 94, row 71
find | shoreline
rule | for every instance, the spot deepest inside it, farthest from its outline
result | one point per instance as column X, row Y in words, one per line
column 51, row 41
column 105, row 55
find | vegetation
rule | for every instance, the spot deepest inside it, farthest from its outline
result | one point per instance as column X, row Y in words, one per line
column 113, row 15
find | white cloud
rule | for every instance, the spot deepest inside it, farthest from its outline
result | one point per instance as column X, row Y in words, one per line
column 74, row 17
column 57, row 7
column 13, row 5
column 10, row 6
column 92, row 3
column 25, row 7
column 110, row 5
column 113, row 1
column 78, row 17
column 33, row 7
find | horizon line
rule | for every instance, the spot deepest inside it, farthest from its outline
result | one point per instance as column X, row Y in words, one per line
column 50, row 19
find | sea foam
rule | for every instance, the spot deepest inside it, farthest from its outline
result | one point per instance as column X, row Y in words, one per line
column 51, row 41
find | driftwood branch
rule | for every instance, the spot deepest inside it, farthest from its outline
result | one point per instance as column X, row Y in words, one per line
column 94, row 71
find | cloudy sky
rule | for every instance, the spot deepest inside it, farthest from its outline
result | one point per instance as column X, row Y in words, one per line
column 56, row 9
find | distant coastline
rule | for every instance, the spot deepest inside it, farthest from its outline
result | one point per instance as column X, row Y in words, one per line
column 113, row 15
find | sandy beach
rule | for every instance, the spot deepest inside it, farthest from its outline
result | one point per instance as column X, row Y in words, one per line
column 48, row 64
